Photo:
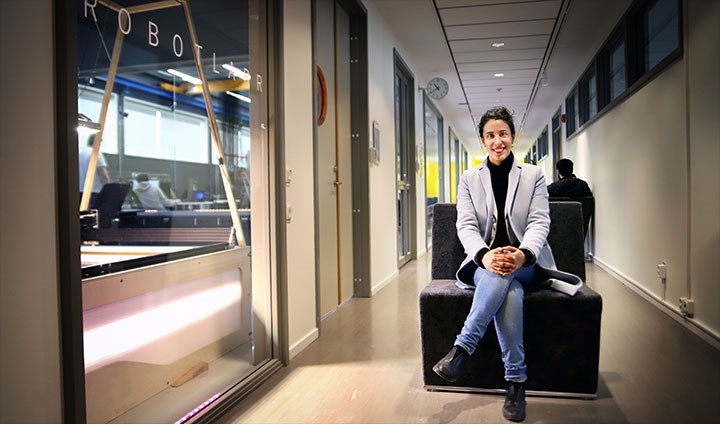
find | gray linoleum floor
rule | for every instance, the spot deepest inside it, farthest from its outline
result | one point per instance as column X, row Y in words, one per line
column 366, row 368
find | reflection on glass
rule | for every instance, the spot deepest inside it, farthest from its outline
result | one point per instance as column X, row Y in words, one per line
column 167, row 287
column 453, row 166
column 592, row 95
column 662, row 32
column 617, row 71
column 433, row 138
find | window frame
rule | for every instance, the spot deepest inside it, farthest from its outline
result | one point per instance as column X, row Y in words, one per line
column 632, row 30
column 164, row 111
column 646, row 28
column 542, row 144
column 571, row 113
column 587, row 81
column 604, row 66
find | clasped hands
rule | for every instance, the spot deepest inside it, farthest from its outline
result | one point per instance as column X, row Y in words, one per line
column 504, row 260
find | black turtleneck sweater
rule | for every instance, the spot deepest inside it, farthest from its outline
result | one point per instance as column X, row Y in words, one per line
column 499, row 177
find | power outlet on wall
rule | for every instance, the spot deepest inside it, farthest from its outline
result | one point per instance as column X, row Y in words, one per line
column 687, row 307
column 662, row 271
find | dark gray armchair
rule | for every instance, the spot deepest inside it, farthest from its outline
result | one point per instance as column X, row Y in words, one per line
column 562, row 333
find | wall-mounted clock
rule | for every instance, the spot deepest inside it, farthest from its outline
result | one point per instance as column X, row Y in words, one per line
column 437, row 88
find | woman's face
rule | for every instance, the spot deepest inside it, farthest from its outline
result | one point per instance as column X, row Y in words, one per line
column 497, row 139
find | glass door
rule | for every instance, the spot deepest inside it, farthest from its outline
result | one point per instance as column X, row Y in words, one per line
column 433, row 163
column 454, row 165
column 404, row 161
column 173, row 172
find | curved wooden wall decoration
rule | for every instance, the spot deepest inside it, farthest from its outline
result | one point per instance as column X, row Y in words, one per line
column 321, row 97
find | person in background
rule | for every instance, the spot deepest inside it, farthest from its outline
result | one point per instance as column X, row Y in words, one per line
column 151, row 197
column 569, row 185
column 101, row 174
column 503, row 220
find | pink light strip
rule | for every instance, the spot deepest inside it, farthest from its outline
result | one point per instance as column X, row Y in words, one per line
column 198, row 409
column 123, row 335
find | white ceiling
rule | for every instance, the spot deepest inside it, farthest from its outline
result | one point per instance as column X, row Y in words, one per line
column 453, row 39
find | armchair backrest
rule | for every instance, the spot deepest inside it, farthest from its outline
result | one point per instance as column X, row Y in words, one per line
column 588, row 208
column 565, row 239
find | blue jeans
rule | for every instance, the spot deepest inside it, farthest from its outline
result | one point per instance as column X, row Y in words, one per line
column 500, row 298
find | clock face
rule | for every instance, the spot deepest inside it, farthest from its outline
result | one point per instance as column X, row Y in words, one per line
column 437, row 88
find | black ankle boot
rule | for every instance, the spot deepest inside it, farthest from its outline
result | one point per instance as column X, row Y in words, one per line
column 449, row 367
column 514, row 407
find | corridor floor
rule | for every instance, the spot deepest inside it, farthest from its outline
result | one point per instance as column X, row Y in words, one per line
column 366, row 368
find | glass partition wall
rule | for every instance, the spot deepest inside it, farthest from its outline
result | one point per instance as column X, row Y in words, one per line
column 433, row 163
column 454, row 154
column 173, row 179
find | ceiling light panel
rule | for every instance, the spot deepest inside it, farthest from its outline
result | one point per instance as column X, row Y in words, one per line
column 464, row 3
column 517, row 109
column 493, row 82
column 499, row 30
column 499, row 66
column 492, row 89
column 518, row 98
column 500, row 13
column 512, row 42
column 517, row 73
column 500, row 55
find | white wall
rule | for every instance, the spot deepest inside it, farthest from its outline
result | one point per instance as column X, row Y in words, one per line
column 383, row 215
column 704, row 146
column 652, row 162
column 30, row 387
column 298, row 129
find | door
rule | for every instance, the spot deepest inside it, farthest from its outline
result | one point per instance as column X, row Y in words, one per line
column 454, row 164
column 433, row 163
column 404, row 161
column 334, row 159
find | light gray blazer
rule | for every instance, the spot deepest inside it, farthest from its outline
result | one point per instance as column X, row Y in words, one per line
column 527, row 217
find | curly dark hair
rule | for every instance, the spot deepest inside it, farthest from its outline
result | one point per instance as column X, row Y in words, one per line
column 499, row 113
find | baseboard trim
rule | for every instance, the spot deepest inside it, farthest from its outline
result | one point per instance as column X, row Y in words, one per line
column 705, row 333
column 381, row 285
column 539, row 393
column 303, row 343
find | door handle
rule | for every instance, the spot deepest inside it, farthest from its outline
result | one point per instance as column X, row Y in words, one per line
column 337, row 183
column 402, row 185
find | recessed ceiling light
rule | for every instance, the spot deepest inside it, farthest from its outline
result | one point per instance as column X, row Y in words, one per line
column 243, row 75
column 498, row 44
column 185, row 77
column 238, row 96
column 499, row 74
